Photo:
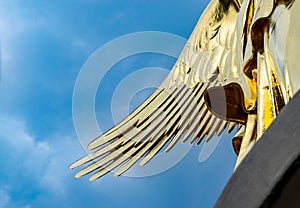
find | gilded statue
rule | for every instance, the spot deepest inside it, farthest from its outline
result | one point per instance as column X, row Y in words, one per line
column 237, row 71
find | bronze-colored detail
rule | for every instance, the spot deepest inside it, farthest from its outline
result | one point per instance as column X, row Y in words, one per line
column 227, row 102
column 236, row 144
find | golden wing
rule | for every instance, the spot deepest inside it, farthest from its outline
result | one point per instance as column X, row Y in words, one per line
column 177, row 109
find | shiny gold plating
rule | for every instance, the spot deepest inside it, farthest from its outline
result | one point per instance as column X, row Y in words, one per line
column 238, row 69
column 265, row 79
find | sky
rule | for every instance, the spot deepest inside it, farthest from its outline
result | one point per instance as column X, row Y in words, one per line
column 44, row 45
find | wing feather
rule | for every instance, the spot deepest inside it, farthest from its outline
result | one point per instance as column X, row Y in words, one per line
column 176, row 110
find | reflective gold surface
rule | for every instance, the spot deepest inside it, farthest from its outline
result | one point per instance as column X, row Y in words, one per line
column 238, row 69
column 266, row 52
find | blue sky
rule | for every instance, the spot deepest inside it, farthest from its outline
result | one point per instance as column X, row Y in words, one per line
column 44, row 45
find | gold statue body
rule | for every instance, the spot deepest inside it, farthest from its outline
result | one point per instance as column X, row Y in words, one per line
column 237, row 69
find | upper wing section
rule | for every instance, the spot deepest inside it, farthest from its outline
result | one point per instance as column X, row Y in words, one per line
column 176, row 110
column 209, row 51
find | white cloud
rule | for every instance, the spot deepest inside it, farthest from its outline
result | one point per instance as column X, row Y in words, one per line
column 28, row 162
column 56, row 172
column 36, row 172
column 11, row 25
column 79, row 43
column 4, row 198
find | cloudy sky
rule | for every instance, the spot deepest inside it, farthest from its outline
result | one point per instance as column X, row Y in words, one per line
column 44, row 45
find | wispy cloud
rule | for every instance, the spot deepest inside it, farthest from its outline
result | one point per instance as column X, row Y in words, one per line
column 4, row 198
column 30, row 166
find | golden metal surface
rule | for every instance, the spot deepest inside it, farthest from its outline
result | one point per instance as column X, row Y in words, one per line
column 266, row 53
column 238, row 68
